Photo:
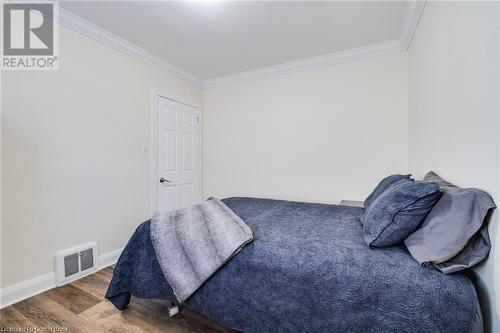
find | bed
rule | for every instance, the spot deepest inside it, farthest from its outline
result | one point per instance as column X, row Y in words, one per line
column 308, row 270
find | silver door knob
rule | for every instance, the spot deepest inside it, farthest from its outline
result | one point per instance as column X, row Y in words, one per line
column 163, row 180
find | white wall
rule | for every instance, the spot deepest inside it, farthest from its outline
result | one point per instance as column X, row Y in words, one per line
column 72, row 166
column 454, row 111
column 321, row 135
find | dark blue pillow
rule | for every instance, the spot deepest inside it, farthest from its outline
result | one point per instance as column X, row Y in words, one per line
column 398, row 211
column 382, row 186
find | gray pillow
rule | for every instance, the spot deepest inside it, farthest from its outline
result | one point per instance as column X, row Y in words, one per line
column 383, row 185
column 431, row 176
column 398, row 211
column 453, row 236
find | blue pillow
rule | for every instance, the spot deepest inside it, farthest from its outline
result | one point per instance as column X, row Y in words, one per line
column 382, row 186
column 398, row 211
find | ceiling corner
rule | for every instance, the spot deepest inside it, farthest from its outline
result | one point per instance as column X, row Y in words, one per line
column 409, row 23
column 91, row 30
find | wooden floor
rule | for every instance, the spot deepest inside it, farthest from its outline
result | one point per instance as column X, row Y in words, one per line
column 80, row 307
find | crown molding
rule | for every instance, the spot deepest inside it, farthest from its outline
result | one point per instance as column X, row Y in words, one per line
column 91, row 30
column 409, row 23
column 309, row 63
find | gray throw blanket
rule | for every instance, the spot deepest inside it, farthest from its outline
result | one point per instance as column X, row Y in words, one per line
column 193, row 243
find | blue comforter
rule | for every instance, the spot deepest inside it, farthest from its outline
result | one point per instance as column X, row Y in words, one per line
column 307, row 270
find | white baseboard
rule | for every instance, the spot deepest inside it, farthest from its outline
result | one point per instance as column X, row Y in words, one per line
column 41, row 283
column 110, row 258
column 26, row 289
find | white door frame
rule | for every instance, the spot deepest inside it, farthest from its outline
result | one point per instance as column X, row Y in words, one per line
column 154, row 183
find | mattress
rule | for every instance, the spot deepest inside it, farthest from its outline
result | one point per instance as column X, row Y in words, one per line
column 308, row 270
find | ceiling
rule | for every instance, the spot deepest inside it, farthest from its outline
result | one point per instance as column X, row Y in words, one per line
column 212, row 39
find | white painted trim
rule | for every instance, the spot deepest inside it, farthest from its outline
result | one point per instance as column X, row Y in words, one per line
column 110, row 258
column 408, row 26
column 153, row 151
column 26, row 289
column 154, row 141
column 41, row 283
column 200, row 156
column 177, row 98
column 310, row 63
column 89, row 29
column 409, row 23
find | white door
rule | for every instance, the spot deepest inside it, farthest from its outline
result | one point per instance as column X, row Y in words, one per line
column 178, row 170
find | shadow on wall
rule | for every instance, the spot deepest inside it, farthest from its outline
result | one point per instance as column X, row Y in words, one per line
column 484, row 301
column 486, row 295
